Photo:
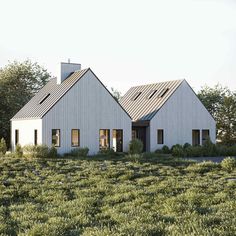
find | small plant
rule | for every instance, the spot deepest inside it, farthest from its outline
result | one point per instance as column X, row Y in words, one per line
column 135, row 146
column 165, row 149
column 52, row 153
column 38, row 151
column 3, row 147
column 108, row 152
column 133, row 157
column 186, row 145
column 80, row 152
column 228, row 164
column 178, row 151
column 18, row 151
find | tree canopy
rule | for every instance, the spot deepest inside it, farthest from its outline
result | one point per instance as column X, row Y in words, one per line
column 19, row 81
column 221, row 103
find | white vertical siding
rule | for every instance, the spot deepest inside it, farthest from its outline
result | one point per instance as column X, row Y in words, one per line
column 26, row 131
column 182, row 113
column 89, row 107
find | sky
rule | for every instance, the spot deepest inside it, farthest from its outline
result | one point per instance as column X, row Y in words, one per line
column 125, row 42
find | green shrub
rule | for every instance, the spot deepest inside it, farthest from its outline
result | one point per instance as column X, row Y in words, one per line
column 52, row 153
column 36, row 151
column 159, row 151
column 193, row 151
column 178, row 151
column 133, row 157
column 228, row 164
column 208, row 148
column 3, row 147
column 18, row 151
column 135, row 146
column 202, row 167
column 80, row 152
column 165, row 149
column 186, row 145
column 108, row 152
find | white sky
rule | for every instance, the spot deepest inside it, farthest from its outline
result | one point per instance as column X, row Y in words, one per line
column 125, row 42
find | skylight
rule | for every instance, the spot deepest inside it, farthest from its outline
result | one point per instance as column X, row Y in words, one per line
column 151, row 94
column 163, row 92
column 136, row 95
column 44, row 98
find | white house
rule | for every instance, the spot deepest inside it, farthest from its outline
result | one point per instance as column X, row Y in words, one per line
column 73, row 110
column 76, row 110
column 168, row 113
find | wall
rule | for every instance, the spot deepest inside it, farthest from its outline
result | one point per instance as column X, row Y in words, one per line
column 182, row 113
column 26, row 131
column 88, row 107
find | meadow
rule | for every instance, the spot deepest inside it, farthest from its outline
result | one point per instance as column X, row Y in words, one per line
column 116, row 196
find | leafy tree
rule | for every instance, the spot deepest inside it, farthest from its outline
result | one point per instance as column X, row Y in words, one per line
column 116, row 94
column 19, row 81
column 221, row 103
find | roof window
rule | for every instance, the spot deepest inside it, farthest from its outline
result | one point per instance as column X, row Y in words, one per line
column 151, row 94
column 163, row 92
column 136, row 95
column 44, row 98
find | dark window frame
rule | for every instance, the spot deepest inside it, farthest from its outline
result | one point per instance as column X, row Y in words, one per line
column 205, row 130
column 16, row 136
column 162, row 136
column 109, row 139
column 78, row 138
column 35, row 137
column 59, row 138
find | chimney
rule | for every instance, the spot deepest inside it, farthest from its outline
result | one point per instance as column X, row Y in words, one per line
column 66, row 69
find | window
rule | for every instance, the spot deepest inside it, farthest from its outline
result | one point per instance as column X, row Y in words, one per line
column 136, row 95
column 44, row 98
column 16, row 136
column 117, row 140
column 104, row 139
column 56, row 137
column 75, row 137
column 205, row 135
column 163, row 92
column 151, row 94
column 195, row 137
column 160, row 136
column 35, row 137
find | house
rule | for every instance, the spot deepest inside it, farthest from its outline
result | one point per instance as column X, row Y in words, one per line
column 73, row 110
column 168, row 113
column 76, row 110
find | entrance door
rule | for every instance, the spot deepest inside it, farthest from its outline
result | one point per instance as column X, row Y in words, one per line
column 140, row 133
column 117, row 139
column 195, row 137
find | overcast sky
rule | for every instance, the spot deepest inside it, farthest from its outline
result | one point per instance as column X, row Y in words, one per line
column 125, row 42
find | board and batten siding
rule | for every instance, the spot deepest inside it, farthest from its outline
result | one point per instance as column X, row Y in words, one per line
column 26, row 131
column 87, row 106
column 181, row 113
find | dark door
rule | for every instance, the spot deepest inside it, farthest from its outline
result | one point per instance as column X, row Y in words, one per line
column 118, row 140
column 140, row 133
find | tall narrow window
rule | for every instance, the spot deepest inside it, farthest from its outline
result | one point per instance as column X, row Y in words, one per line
column 195, row 137
column 35, row 137
column 160, row 136
column 16, row 136
column 117, row 140
column 205, row 135
column 104, row 139
column 56, row 137
column 75, row 137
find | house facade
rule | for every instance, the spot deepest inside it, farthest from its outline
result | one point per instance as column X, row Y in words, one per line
column 74, row 110
column 168, row 113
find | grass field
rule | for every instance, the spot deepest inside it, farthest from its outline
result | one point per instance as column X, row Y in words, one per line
column 155, row 196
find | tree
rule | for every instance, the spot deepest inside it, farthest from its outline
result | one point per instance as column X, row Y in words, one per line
column 221, row 103
column 116, row 94
column 19, row 81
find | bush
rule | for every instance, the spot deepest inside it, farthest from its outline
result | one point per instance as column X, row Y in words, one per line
column 3, row 147
column 202, row 167
column 38, row 151
column 228, row 164
column 178, row 151
column 165, row 149
column 108, row 152
column 52, row 153
column 135, row 146
column 133, row 157
column 18, row 151
column 80, row 152
column 193, row 151
column 186, row 145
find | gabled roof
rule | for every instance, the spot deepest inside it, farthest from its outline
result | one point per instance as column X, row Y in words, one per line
column 50, row 94
column 143, row 102
column 47, row 97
